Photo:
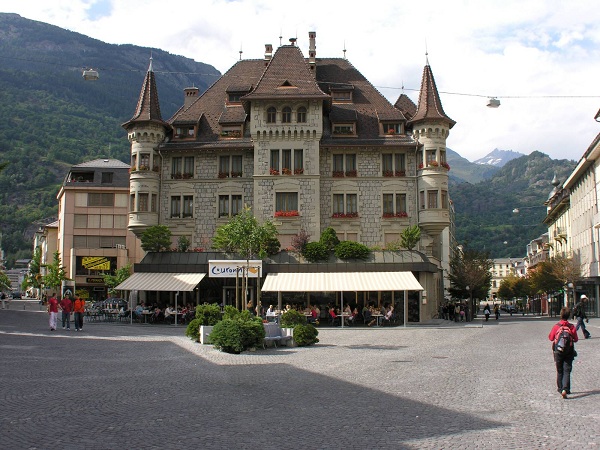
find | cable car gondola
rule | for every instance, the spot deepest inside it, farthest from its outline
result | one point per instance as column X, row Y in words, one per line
column 90, row 74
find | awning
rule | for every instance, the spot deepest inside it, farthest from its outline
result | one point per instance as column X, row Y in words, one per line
column 341, row 281
column 152, row 281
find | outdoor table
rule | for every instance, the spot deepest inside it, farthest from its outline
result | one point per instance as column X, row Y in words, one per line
column 146, row 313
column 377, row 316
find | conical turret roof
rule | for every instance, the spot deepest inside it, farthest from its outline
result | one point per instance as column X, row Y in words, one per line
column 148, row 107
column 430, row 105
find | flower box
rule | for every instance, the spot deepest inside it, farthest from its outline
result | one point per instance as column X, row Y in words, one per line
column 400, row 173
column 298, row 171
column 344, row 215
column 187, row 176
column 236, row 174
column 273, row 171
column 337, row 173
column 402, row 214
column 292, row 213
column 433, row 164
column 286, row 171
column 351, row 173
column 177, row 176
column 223, row 174
column 446, row 166
column 388, row 173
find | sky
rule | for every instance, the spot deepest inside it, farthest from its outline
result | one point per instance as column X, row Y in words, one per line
column 540, row 58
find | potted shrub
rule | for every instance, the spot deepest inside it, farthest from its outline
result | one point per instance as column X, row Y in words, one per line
column 202, row 325
column 289, row 320
column 238, row 331
column 305, row 334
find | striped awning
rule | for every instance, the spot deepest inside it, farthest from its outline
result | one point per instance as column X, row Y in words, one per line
column 152, row 281
column 341, row 281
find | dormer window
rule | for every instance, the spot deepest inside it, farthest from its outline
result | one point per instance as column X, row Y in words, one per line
column 343, row 129
column 185, row 132
column 234, row 97
column 392, row 129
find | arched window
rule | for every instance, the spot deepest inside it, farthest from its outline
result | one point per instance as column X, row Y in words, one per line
column 286, row 115
column 301, row 114
column 271, row 115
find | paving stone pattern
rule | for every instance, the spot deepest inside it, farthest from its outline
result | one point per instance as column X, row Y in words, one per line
column 466, row 385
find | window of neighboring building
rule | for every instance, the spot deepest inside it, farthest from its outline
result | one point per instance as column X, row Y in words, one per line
column 175, row 206
column 106, row 221
column 107, row 177
column 101, row 199
column 144, row 161
column 188, row 167
column 344, row 164
column 230, row 205
column 120, row 221
column 345, row 204
column 432, row 199
column 301, row 115
column 188, row 205
column 80, row 221
column 286, row 201
column 286, row 115
column 271, row 115
column 176, row 166
column 142, row 202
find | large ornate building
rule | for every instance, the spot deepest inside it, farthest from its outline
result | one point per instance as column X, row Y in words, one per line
column 304, row 141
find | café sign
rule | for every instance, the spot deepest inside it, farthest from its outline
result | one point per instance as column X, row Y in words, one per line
column 233, row 268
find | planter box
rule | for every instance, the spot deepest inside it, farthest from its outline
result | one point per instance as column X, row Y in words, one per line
column 205, row 330
column 289, row 332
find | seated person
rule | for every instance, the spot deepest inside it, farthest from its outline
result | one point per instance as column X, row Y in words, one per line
column 170, row 314
column 139, row 309
column 333, row 316
column 389, row 315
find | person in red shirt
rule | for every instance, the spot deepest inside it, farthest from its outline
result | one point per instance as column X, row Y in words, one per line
column 79, row 309
column 66, row 305
column 563, row 360
column 53, row 311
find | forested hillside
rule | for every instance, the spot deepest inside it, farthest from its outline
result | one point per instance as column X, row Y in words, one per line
column 51, row 118
column 484, row 210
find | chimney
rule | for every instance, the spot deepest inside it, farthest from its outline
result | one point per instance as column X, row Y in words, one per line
column 190, row 94
column 268, row 53
column 312, row 50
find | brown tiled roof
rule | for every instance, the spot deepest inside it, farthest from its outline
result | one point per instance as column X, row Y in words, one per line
column 406, row 105
column 288, row 67
column 148, row 107
column 430, row 106
column 232, row 115
column 287, row 75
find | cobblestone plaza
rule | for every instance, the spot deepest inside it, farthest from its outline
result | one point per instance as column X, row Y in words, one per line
column 448, row 385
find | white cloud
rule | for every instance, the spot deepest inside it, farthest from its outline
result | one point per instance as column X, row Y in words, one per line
column 526, row 52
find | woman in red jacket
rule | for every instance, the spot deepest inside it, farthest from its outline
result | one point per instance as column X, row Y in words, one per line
column 564, row 358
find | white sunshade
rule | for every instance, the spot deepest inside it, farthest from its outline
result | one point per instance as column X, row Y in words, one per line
column 152, row 281
column 341, row 281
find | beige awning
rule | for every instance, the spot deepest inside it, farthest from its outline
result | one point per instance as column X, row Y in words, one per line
column 341, row 281
column 152, row 281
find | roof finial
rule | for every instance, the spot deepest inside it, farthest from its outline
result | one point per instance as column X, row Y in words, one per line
column 241, row 52
column 280, row 36
column 150, row 65
column 426, row 54
column 344, row 49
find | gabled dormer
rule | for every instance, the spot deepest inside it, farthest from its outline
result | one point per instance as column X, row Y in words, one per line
column 344, row 119
column 342, row 93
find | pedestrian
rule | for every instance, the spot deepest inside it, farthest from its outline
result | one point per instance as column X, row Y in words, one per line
column 497, row 311
column 53, row 311
column 580, row 315
column 487, row 311
column 66, row 305
column 563, row 359
column 79, row 310
column 3, row 297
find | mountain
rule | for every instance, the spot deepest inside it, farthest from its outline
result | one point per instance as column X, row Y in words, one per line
column 484, row 211
column 464, row 171
column 498, row 158
column 51, row 118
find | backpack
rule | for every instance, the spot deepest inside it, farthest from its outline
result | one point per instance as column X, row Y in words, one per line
column 563, row 340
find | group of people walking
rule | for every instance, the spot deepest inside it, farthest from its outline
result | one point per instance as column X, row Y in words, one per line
column 67, row 306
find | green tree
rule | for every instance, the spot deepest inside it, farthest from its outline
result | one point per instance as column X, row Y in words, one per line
column 183, row 244
column 410, row 237
column 4, row 282
column 243, row 235
column 156, row 238
column 34, row 276
column 470, row 275
column 120, row 275
column 55, row 273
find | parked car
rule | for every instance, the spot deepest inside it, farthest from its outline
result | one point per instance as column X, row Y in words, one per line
column 511, row 309
column 16, row 295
